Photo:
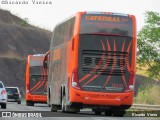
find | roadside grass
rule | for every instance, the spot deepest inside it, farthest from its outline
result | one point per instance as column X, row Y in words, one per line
column 147, row 92
column 148, row 95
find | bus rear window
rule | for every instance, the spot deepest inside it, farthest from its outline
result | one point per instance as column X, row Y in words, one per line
column 106, row 24
column 36, row 61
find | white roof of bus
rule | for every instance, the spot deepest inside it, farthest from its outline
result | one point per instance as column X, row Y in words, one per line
column 38, row 55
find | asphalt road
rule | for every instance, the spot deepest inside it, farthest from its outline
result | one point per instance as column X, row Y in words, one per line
column 44, row 110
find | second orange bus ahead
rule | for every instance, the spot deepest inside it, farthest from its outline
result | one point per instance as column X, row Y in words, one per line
column 36, row 80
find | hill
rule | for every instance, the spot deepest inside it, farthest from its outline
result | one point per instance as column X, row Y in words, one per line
column 17, row 40
column 12, row 72
column 20, row 38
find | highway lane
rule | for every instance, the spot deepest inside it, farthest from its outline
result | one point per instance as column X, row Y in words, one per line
column 83, row 115
column 13, row 106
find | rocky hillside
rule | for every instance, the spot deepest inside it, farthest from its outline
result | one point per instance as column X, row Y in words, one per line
column 12, row 72
column 19, row 37
column 17, row 40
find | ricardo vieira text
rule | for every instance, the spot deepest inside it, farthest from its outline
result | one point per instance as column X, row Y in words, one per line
column 23, row 2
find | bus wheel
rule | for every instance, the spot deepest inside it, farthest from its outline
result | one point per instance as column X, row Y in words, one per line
column 119, row 113
column 108, row 113
column 53, row 108
column 48, row 102
column 3, row 106
column 49, row 98
column 28, row 103
column 97, row 112
column 66, row 108
column 63, row 106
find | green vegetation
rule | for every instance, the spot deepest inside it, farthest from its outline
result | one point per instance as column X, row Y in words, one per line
column 24, row 22
column 148, row 60
column 148, row 95
column 149, row 91
column 142, row 70
column 149, row 45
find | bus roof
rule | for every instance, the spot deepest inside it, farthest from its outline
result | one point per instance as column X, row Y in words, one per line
column 111, row 13
column 38, row 55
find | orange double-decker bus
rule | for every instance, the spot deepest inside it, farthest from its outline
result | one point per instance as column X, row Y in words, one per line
column 36, row 80
column 92, row 63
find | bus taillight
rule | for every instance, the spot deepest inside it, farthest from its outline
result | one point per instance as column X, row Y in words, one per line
column 27, row 88
column 75, row 82
column 130, row 86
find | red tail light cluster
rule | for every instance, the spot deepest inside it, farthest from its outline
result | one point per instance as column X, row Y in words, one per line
column 75, row 81
column 130, row 86
column 27, row 88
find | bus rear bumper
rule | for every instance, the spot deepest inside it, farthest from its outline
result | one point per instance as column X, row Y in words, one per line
column 102, row 99
column 36, row 98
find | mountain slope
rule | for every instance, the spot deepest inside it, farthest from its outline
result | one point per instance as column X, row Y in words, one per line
column 17, row 40
column 12, row 73
column 21, row 39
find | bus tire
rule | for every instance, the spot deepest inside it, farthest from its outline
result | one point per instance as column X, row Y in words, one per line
column 97, row 112
column 63, row 105
column 108, row 113
column 28, row 103
column 66, row 108
column 49, row 98
column 19, row 102
column 119, row 113
column 3, row 106
column 54, row 108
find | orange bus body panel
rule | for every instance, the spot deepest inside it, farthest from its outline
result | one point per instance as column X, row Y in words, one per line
column 96, row 98
column 36, row 98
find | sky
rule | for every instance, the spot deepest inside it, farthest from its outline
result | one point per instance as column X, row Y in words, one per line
column 48, row 15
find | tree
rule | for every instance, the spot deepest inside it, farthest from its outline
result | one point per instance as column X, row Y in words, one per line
column 149, row 44
column 24, row 22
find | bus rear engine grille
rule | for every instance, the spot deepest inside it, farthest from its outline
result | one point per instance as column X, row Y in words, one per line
column 104, row 62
